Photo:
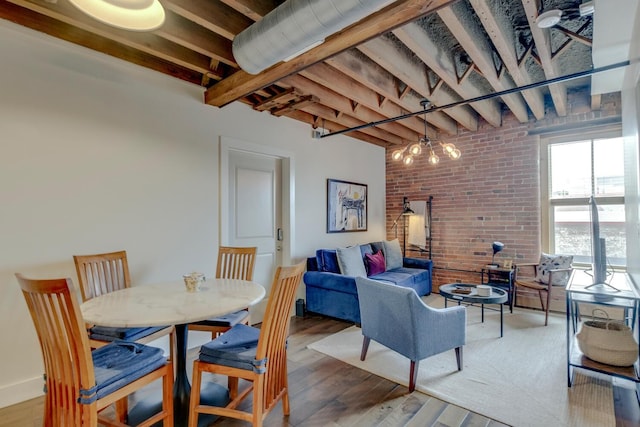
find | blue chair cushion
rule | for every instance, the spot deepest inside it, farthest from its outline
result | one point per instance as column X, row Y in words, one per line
column 228, row 320
column 235, row 348
column 407, row 277
column 106, row 333
column 120, row 363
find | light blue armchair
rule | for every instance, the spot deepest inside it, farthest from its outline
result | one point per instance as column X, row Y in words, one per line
column 397, row 318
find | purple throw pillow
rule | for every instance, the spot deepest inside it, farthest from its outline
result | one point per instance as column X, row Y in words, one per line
column 375, row 263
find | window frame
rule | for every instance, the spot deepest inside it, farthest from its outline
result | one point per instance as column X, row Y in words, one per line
column 546, row 206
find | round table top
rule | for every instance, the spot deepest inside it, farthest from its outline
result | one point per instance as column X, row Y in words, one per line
column 169, row 303
column 498, row 296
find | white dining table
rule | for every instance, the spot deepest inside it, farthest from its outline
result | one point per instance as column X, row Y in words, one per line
column 169, row 303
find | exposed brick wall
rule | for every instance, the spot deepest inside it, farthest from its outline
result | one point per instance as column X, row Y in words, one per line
column 490, row 193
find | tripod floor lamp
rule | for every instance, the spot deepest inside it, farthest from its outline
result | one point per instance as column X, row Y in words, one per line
column 406, row 211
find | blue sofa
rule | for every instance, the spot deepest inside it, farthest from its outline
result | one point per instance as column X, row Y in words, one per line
column 330, row 293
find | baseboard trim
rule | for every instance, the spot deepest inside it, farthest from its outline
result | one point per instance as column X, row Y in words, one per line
column 19, row 392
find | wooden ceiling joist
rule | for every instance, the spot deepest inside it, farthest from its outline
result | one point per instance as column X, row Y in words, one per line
column 441, row 63
column 381, row 81
column 214, row 16
column 378, row 70
column 504, row 40
column 241, row 83
column 469, row 35
column 542, row 39
column 384, row 53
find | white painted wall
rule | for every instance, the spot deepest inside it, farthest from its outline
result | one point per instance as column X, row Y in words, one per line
column 99, row 155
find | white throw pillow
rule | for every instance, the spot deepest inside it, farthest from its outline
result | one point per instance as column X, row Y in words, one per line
column 553, row 262
column 392, row 254
column 351, row 262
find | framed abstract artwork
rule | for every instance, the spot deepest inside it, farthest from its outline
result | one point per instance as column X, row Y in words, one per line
column 346, row 206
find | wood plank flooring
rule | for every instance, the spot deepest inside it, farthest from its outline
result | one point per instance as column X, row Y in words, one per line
column 327, row 392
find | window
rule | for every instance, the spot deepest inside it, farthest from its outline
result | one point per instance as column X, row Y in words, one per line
column 576, row 170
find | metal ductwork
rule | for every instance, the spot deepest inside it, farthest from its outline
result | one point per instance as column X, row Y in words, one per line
column 295, row 27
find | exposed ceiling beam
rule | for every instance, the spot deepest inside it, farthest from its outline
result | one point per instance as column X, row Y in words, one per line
column 328, row 76
column 195, row 37
column 145, row 42
column 56, row 28
column 470, row 36
column 212, row 15
column 504, row 39
column 542, row 39
column 241, row 83
column 420, row 42
column 347, row 121
column 253, row 9
column 341, row 103
column 382, row 51
column 367, row 72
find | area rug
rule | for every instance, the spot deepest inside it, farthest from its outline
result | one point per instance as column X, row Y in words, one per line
column 519, row 380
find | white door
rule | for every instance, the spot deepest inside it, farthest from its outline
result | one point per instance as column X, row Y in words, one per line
column 254, row 213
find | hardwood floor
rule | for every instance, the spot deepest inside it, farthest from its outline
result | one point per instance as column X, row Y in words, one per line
column 327, row 392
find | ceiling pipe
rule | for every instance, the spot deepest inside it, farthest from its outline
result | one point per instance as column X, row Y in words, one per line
column 489, row 96
column 295, row 27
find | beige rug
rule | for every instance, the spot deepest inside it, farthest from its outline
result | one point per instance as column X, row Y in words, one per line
column 520, row 379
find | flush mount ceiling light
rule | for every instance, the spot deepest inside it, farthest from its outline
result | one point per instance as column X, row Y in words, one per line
column 135, row 15
column 408, row 153
column 549, row 18
column 295, row 27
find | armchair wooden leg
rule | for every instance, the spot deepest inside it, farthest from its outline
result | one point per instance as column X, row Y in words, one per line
column 365, row 347
column 546, row 315
column 413, row 375
column 541, row 300
column 459, row 357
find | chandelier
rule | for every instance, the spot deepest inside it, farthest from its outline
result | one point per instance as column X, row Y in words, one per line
column 408, row 153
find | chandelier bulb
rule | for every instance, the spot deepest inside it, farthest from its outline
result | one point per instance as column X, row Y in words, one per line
column 433, row 158
column 448, row 148
column 397, row 155
column 415, row 149
column 408, row 160
column 455, row 154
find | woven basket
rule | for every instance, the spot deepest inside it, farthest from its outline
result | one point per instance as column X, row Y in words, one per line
column 607, row 341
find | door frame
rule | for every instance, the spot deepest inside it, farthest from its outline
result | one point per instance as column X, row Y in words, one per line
column 228, row 144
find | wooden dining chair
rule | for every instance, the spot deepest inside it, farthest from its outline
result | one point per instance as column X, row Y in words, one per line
column 233, row 263
column 99, row 274
column 79, row 383
column 256, row 355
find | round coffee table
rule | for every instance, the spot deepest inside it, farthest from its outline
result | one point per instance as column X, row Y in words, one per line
column 457, row 292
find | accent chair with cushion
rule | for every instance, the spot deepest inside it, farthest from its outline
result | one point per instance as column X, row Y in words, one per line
column 79, row 383
column 549, row 271
column 397, row 318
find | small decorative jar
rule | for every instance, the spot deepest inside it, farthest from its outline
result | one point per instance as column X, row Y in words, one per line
column 193, row 281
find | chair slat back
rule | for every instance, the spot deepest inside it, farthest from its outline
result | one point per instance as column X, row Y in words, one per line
column 65, row 348
column 275, row 330
column 236, row 263
column 102, row 273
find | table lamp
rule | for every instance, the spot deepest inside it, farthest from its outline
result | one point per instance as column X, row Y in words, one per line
column 497, row 247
